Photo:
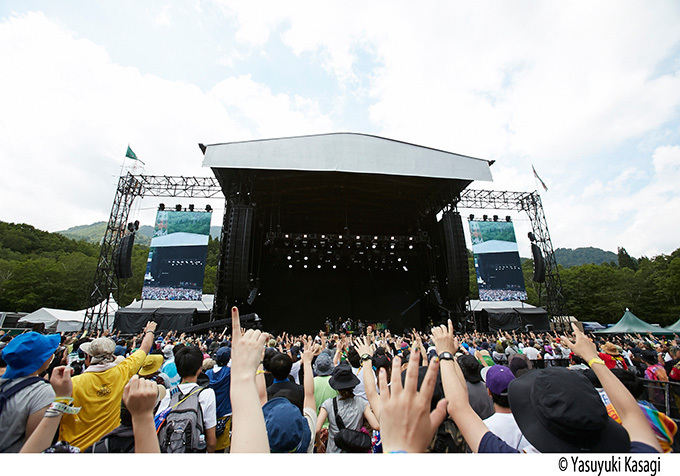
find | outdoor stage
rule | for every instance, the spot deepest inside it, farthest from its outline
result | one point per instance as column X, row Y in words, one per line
column 341, row 225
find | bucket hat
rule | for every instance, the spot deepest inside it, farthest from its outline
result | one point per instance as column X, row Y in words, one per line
column 287, row 429
column 27, row 352
column 323, row 365
column 559, row 411
column 151, row 365
column 343, row 378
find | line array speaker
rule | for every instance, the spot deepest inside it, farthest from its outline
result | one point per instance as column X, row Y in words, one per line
column 122, row 258
column 539, row 264
column 237, row 252
column 456, row 256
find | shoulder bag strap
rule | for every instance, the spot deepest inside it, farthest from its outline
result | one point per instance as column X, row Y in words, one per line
column 338, row 419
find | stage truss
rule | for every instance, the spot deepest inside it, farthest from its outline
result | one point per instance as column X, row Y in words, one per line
column 132, row 186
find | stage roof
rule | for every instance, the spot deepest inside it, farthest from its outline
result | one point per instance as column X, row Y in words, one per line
column 346, row 152
column 324, row 183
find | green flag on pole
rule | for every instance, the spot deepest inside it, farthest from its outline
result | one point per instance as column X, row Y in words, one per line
column 132, row 155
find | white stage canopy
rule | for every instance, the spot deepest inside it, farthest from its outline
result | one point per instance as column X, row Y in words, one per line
column 346, row 152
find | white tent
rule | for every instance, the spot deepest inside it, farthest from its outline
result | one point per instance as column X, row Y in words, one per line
column 60, row 320
column 56, row 320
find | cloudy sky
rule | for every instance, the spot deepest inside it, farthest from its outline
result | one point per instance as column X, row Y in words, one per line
column 587, row 92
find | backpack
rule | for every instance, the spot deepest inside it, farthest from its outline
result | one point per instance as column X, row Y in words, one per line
column 5, row 395
column 181, row 430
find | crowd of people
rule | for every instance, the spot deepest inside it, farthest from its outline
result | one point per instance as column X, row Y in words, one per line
column 247, row 391
column 172, row 293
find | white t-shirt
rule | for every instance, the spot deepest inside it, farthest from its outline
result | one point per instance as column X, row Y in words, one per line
column 206, row 398
column 504, row 426
column 531, row 352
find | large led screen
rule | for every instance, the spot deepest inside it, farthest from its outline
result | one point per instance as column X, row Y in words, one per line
column 499, row 271
column 176, row 263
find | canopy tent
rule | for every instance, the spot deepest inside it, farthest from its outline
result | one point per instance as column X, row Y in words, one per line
column 61, row 320
column 56, row 320
column 674, row 327
column 630, row 323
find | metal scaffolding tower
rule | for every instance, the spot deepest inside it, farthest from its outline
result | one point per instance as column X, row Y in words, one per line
column 529, row 202
column 129, row 188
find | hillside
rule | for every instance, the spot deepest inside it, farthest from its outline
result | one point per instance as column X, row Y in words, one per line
column 579, row 256
column 95, row 232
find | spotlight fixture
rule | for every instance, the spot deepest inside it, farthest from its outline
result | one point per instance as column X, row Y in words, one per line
column 485, row 217
column 495, row 218
column 191, row 207
column 178, row 208
column 208, row 208
column 531, row 236
column 508, row 219
column 471, row 217
column 161, row 206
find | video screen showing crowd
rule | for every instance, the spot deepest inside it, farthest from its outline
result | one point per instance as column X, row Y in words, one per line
column 497, row 262
column 176, row 264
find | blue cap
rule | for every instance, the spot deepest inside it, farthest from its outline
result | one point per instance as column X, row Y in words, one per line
column 287, row 429
column 26, row 353
column 223, row 355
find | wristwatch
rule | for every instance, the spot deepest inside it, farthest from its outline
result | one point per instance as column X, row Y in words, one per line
column 446, row 356
column 365, row 357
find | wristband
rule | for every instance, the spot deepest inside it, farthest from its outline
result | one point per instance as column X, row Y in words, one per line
column 149, row 331
column 400, row 451
column 66, row 400
column 62, row 408
column 446, row 356
column 259, row 372
column 595, row 360
column 365, row 357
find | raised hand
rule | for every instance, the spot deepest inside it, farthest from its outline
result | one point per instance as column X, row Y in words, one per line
column 582, row 346
column 445, row 339
column 140, row 396
column 61, row 381
column 406, row 423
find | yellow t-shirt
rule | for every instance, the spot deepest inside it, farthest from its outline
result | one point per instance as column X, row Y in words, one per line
column 98, row 394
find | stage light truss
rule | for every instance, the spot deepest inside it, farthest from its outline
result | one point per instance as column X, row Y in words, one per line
column 176, row 186
column 323, row 251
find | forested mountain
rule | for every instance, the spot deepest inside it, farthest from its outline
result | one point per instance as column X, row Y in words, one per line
column 95, row 232
column 41, row 269
column 576, row 257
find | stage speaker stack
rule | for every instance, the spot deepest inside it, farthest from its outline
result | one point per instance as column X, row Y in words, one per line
column 456, row 256
column 539, row 264
column 237, row 252
column 122, row 262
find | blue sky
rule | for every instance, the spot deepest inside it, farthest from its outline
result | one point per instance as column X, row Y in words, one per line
column 587, row 92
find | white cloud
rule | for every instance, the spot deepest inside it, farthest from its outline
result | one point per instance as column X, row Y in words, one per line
column 72, row 112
